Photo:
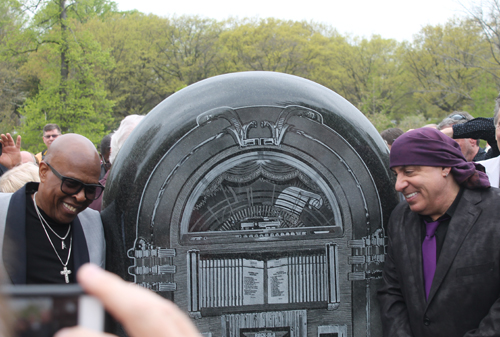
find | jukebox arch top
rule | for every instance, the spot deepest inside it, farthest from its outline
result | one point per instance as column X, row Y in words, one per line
column 258, row 193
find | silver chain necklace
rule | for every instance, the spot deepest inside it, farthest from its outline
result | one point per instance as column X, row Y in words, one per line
column 65, row 270
column 42, row 219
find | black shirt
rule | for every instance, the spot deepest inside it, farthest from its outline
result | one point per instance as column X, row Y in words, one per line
column 3, row 169
column 443, row 226
column 43, row 265
column 480, row 155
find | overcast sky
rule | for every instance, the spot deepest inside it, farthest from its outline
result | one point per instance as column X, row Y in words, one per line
column 398, row 19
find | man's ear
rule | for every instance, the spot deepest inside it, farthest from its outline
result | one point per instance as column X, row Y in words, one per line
column 446, row 171
column 43, row 170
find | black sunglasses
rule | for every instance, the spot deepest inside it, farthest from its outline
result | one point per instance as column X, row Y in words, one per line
column 71, row 186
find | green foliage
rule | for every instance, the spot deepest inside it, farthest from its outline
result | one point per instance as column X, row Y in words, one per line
column 85, row 66
column 66, row 62
column 274, row 45
column 413, row 122
column 486, row 15
column 189, row 51
column 11, row 82
column 483, row 97
column 445, row 62
column 369, row 73
column 82, row 107
column 380, row 120
column 131, row 82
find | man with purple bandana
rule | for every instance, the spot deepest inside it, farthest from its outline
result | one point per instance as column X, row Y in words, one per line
column 442, row 269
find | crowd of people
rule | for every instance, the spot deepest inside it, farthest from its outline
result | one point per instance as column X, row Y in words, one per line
column 442, row 268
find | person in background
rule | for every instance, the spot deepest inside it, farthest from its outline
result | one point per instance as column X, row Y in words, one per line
column 50, row 133
column 28, row 157
column 470, row 147
column 118, row 138
column 434, row 126
column 15, row 178
column 441, row 276
column 105, row 150
column 390, row 135
column 478, row 128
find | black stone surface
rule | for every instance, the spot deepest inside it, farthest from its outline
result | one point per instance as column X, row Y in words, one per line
column 199, row 129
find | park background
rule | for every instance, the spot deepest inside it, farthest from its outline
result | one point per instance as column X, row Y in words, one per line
column 85, row 64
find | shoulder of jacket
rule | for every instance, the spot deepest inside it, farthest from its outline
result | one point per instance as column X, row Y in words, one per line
column 90, row 215
column 4, row 200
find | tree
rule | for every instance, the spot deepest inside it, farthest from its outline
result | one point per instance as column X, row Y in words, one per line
column 274, row 45
column 131, row 40
column 189, row 51
column 487, row 16
column 369, row 73
column 63, row 58
column 445, row 61
column 12, row 88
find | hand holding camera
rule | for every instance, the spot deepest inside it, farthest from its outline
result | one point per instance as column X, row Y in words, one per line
column 140, row 311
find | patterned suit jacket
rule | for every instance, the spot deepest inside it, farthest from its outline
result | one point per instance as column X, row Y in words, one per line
column 88, row 237
column 464, row 297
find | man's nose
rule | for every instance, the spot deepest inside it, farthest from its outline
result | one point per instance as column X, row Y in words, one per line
column 80, row 196
column 401, row 183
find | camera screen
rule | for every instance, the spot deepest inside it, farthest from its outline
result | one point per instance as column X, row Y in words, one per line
column 41, row 316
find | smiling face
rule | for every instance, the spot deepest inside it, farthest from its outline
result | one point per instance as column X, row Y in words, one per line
column 73, row 159
column 428, row 190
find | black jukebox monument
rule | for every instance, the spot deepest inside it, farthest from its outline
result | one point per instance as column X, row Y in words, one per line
column 256, row 202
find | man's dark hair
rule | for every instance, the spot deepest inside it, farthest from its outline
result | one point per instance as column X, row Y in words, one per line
column 50, row 127
column 390, row 135
column 105, row 144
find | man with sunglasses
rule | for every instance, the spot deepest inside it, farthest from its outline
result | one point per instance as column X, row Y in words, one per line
column 46, row 230
column 478, row 128
column 50, row 133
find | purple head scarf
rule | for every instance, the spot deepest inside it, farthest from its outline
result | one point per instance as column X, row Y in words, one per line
column 430, row 147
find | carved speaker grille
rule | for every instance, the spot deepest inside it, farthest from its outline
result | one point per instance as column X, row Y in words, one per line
column 261, row 280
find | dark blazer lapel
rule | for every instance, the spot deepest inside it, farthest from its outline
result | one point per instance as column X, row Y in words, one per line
column 80, row 250
column 463, row 220
column 414, row 243
column 14, row 245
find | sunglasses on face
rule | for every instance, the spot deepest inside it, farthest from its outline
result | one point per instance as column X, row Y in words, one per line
column 50, row 136
column 72, row 186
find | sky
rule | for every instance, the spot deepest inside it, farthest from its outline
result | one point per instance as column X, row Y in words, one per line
column 397, row 19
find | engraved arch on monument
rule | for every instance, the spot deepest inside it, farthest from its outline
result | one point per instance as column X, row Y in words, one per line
column 261, row 191
column 232, row 116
